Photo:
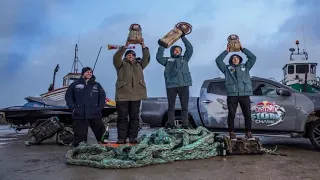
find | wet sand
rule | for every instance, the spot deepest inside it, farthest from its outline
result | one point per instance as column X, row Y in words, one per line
column 47, row 161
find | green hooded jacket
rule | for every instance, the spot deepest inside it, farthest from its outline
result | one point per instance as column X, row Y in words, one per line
column 238, row 81
column 176, row 71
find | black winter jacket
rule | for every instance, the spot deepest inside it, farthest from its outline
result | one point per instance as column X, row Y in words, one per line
column 86, row 100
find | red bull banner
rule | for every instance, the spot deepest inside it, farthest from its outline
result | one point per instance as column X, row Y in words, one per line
column 266, row 112
column 113, row 46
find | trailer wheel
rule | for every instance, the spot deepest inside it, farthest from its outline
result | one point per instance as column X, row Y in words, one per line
column 314, row 134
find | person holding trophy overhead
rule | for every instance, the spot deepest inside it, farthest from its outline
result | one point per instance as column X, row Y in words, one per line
column 130, row 90
column 238, row 84
column 176, row 73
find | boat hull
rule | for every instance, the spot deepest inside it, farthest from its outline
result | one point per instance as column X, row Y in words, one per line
column 21, row 116
column 300, row 88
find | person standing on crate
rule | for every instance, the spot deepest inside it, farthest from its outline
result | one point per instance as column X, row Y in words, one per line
column 238, row 86
column 130, row 90
column 177, row 79
column 86, row 98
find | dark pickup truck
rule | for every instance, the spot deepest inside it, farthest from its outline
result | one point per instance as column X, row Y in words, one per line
column 277, row 110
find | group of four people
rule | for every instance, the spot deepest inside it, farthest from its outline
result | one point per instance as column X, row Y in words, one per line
column 86, row 97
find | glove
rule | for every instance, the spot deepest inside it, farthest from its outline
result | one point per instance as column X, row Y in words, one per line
column 183, row 34
column 159, row 42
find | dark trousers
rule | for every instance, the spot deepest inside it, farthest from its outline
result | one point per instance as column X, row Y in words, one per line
column 183, row 93
column 80, row 129
column 245, row 105
column 128, row 129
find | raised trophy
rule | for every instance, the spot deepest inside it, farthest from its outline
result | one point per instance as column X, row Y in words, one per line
column 234, row 42
column 172, row 36
column 135, row 34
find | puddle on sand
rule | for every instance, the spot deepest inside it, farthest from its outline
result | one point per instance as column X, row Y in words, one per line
column 8, row 134
column 3, row 143
column 7, row 139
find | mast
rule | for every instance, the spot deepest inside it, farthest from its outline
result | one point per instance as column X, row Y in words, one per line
column 54, row 77
column 292, row 50
column 75, row 60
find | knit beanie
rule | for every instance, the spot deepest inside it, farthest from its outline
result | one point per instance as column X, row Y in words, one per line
column 130, row 52
column 85, row 69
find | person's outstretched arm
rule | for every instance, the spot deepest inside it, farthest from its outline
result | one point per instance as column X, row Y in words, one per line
column 161, row 60
column 251, row 58
column 219, row 61
column 117, row 57
column 189, row 49
column 145, row 56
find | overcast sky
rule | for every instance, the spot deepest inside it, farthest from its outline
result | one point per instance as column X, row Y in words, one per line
column 36, row 35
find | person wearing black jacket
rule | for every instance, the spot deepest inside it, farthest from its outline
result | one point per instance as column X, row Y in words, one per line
column 86, row 98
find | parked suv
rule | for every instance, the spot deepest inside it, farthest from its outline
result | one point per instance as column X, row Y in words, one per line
column 276, row 109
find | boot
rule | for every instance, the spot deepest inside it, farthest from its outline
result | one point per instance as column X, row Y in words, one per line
column 187, row 126
column 249, row 136
column 233, row 136
column 169, row 125
column 133, row 141
column 185, row 120
column 121, row 141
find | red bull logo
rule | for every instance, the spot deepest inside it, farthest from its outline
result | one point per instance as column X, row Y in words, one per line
column 265, row 103
column 265, row 106
column 267, row 112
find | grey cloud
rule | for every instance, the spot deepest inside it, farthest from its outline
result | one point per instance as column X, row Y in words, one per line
column 22, row 18
column 271, row 58
column 10, row 58
column 121, row 18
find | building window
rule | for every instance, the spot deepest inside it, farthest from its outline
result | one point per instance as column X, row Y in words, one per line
column 285, row 71
column 290, row 69
column 313, row 69
column 33, row 104
column 263, row 89
column 302, row 68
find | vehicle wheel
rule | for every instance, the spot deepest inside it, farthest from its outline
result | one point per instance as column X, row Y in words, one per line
column 314, row 134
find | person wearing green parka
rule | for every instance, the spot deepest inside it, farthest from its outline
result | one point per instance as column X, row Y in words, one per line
column 238, row 86
column 131, row 89
column 177, row 80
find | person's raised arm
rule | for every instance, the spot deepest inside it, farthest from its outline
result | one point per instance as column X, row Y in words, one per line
column 145, row 55
column 251, row 58
column 117, row 57
column 162, row 60
column 189, row 49
column 219, row 60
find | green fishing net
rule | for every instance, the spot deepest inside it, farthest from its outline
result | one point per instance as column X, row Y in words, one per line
column 163, row 146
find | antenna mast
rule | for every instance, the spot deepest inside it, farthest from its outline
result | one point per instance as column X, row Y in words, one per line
column 97, row 58
column 304, row 41
column 75, row 60
column 292, row 50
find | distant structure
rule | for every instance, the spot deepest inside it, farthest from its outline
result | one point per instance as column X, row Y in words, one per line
column 59, row 93
column 300, row 73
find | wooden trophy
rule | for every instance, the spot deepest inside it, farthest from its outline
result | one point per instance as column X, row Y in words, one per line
column 172, row 36
column 233, row 41
column 135, row 34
